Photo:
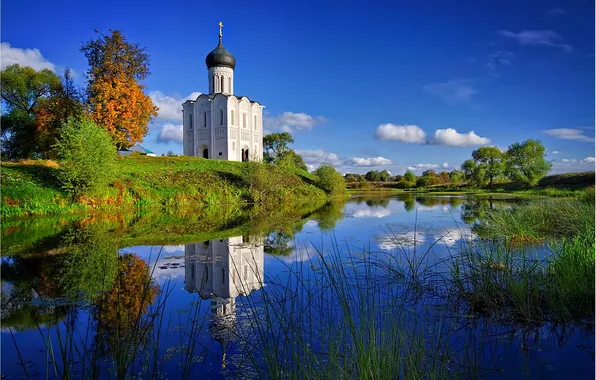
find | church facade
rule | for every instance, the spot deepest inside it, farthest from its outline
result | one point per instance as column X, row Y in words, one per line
column 221, row 125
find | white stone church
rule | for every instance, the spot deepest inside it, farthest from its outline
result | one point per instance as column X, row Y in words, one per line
column 221, row 125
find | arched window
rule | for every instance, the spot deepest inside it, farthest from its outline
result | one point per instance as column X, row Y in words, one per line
column 190, row 121
column 243, row 120
column 230, row 85
column 222, row 84
column 255, row 122
column 232, row 117
column 205, row 119
column 214, row 82
column 221, row 118
column 223, row 275
column 233, row 146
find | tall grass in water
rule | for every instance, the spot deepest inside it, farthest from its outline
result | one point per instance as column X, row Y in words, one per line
column 342, row 317
column 540, row 219
column 508, row 284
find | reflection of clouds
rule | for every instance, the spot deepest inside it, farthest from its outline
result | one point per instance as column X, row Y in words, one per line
column 304, row 251
column 173, row 248
column 409, row 239
column 451, row 237
column 167, row 267
column 371, row 213
column 311, row 223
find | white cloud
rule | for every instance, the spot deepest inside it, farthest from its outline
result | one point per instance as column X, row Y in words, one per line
column 420, row 167
column 315, row 157
column 568, row 134
column 371, row 213
column 565, row 160
column 170, row 108
column 588, row 160
column 451, row 137
column 170, row 132
column 173, row 248
column 404, row 133
column 500, row 58
column 372, row 161
column 288, row 121
column 25, row 57
column 555, row 152
column 400, row 240
column 454, row 91
column 537, row 37
column 445, row 165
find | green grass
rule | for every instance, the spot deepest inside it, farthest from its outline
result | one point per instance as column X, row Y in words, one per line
column 30, row 187
column 539, row 219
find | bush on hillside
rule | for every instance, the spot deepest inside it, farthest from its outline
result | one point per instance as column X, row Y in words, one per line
column 329, row 179
column 86, row 155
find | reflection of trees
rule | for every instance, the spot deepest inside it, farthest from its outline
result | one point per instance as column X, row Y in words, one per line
column 119, row 312
column 329, row 215
column 436, row 201
column 409, row 202
column 474, row 210
column 278, row 243
column 378, row 202
column 84, row 270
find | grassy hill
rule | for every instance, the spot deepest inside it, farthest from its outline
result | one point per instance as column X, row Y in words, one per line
column 29, row 187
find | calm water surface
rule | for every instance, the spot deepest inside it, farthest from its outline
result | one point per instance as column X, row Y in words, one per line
column 61, row 307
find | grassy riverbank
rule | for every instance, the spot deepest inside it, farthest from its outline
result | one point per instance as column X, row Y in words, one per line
column 30, row 187
column 556, row 185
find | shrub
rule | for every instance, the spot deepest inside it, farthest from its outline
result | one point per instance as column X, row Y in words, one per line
column 330, row 180
column 86, row 156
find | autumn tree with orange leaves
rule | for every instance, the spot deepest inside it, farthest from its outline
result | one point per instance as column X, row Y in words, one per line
column 116, row 98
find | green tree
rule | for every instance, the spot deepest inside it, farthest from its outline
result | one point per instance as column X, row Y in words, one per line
column 275, row 145
column 526, row 163
column 86, row 154
column 22, row 90
column 491, row 158
column 373, row 176
column 468, row 169
column 330, row 180
column 290, row 158
column 456, row 176
column 384, row 176
column 409, row 180
column 410, row 176
column 55, row 110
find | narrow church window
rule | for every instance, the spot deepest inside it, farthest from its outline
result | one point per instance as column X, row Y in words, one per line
column 243, row 120
column 221, row 117
column 223, row 276
column 234, row 146
column 230, row 85
column 255, row 122
column 205, row 119
column 232, row 117
column 190, row 121
column 222, row 84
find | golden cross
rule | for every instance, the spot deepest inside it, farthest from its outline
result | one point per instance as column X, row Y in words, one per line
column 220, row 26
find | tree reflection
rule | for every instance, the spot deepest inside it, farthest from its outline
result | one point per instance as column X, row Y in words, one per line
column 329, row 215
column 119, row 312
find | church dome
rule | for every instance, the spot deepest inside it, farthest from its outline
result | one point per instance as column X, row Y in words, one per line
column 220, row 56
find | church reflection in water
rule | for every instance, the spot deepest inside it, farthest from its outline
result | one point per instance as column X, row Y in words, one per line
column 222, row 270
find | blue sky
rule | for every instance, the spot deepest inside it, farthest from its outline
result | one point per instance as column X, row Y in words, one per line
column 364, row 85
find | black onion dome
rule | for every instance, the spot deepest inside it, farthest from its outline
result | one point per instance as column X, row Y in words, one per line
column 220, row 56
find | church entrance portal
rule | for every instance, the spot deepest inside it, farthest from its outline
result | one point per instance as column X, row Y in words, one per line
column 205, row 153
column 245, row 154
